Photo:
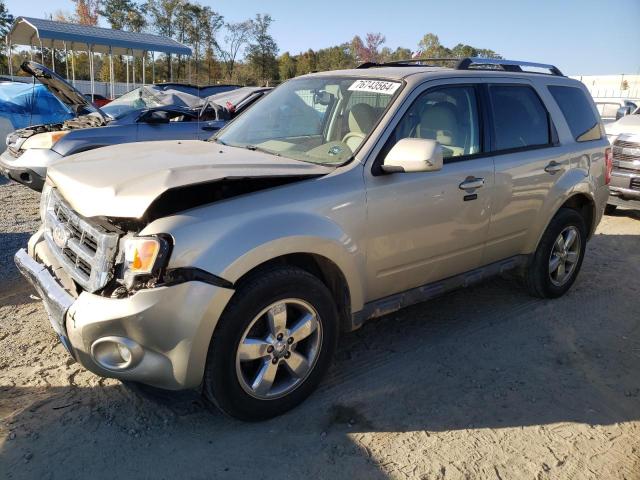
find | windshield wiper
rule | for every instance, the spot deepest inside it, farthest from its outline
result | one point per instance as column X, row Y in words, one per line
column 255, row 148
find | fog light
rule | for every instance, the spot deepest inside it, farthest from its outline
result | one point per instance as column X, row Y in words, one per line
column 124, row 352
column 116, row 353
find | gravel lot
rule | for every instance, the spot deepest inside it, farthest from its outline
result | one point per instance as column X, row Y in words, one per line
column 483, row 383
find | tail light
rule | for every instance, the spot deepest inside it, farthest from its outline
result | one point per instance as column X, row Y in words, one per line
column 608, row 163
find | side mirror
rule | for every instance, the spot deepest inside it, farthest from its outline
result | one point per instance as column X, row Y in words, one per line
column 156, row 116
column 414, row 155
column 623, row 112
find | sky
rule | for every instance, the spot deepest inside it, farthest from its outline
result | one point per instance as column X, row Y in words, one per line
column 581, row 37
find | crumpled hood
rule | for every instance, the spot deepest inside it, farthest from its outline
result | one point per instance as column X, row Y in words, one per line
column 123, row 180
column 627, row 124
column 61, row 89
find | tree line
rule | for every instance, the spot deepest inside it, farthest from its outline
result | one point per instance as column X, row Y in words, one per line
column 242, row 52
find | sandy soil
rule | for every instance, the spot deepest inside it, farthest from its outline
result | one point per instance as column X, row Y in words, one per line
column 483, row 383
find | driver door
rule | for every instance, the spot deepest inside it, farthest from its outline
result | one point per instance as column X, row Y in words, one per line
column 180, row 126
column 425, row 226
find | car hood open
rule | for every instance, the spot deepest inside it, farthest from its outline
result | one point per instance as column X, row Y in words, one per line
column 61, row 89
column 122, row 181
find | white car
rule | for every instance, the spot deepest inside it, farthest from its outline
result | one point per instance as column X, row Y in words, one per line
column 624, row 136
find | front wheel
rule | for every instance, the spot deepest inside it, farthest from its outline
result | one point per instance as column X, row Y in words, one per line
column 272, row 345
column 558, row 258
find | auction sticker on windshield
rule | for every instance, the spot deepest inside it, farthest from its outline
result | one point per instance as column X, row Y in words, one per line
column 374, row 86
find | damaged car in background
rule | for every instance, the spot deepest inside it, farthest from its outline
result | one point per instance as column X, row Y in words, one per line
column 147, row 113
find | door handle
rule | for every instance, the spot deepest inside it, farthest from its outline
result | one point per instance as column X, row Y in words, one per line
column 471, row 183
column 210, row 128
column 553, row 167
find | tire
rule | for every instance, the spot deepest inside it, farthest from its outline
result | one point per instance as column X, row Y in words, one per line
column 541, row 278
column 252, row 317
column 610, row 209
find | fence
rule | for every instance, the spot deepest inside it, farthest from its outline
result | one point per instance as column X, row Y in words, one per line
column 84, row 86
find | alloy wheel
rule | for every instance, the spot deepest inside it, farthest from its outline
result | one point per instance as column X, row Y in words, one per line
column 278, row 349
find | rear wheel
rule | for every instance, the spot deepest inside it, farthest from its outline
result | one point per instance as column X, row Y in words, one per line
column 272, row 345
column 557, row 261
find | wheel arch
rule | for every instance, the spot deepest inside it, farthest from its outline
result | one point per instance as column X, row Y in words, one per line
column 581, row 201
column 323, row 268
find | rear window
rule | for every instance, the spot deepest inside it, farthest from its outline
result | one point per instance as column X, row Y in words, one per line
column 519, row 118
column 576, row 108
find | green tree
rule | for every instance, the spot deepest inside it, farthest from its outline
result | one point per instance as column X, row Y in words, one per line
column 262, row 51
column 235, row 39
column 6, row 19
column 430, row 47
column 287, row 66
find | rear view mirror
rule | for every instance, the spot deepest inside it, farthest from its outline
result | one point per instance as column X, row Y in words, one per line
column 322, row 97
column 414, row 155
column 156, row 116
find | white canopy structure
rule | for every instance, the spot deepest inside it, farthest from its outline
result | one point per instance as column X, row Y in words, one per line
column 36, row 32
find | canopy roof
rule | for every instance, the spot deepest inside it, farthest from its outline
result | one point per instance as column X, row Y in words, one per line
column 52, row 34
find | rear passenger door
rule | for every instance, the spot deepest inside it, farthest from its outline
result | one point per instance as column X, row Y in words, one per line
column 528, row 164
column 425, row 226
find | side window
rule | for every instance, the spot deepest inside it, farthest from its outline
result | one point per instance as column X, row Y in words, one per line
column 519, row 117
column 448, row 115
column 576, row 108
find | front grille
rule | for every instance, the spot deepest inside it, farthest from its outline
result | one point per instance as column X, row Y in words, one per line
column 635, row 184
column 623, row 143
column 85, row 249
column 624, row 151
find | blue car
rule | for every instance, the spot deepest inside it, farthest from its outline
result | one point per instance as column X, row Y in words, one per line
column 26, row 104
column 148, row 113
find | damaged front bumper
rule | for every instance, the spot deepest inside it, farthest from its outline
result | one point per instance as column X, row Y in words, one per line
column 158, row 336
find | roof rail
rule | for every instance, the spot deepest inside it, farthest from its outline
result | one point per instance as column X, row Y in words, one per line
column 413, row 62
column 470, row 63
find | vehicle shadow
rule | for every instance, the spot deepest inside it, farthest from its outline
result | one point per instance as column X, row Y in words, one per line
column 488, row 357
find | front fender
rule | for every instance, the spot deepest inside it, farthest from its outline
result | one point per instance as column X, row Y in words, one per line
column 232, row 249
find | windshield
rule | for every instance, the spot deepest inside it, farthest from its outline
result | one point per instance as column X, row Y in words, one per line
column 136, row 99
column 318, row 119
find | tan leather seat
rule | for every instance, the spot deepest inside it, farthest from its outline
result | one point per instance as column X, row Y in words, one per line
column 438, row 122
column 361, row 120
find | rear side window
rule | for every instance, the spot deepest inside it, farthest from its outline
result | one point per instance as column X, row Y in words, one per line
column 577, row 110
column 519, row 118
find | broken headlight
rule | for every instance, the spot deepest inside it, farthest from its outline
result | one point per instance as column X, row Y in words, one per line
column 144, row 259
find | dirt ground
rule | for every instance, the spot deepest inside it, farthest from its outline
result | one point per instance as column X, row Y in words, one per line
column 483, row 383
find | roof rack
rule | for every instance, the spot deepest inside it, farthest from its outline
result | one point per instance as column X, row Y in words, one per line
column 470, row 63
column 410, row 62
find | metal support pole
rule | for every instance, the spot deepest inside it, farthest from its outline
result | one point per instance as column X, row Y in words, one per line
column 66, row 59
column 133, row 68
column 91, row 72
column 41, row 52
column 73, row 67
column 189, row 64
column 111, row 79
column 153, row 67
column 126, row 60
column 9, row 60
column 144, row 56
column 53, row 58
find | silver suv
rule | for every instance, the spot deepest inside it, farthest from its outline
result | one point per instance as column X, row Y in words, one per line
column 233, row 265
